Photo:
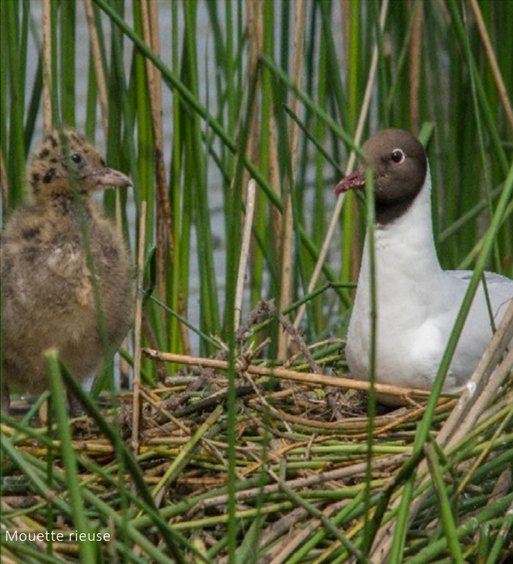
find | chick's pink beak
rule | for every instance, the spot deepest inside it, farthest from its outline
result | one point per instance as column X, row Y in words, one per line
column 111, row 177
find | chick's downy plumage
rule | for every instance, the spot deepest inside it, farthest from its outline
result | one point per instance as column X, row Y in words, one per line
column 65, row 272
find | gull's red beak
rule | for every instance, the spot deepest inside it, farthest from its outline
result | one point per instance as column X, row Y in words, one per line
column 353, row 181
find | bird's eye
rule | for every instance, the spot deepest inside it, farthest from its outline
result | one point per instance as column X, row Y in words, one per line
column 398, row 156
column 76, row 158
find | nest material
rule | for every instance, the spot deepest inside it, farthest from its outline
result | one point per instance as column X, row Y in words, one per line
column 301, row 460
column 294, row 468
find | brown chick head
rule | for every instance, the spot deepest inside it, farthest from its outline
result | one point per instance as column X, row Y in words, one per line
column 65, row 163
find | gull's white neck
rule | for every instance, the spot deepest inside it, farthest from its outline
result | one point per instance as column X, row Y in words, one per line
column 405, row 249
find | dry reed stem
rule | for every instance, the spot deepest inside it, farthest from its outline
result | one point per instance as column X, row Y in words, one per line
column 302, row 533
column 287, row 234
column 150, row 20
column 255, row 42
column 47, row 66
column 281, row 373
column 274, row 180
column 4, row 183
column 318, row 479
column 124, row 366
column 163, row 208
column 350, row 164
column 136, row 398
column 47, row 105
column 98, row 67
column 356, row 428
column 246, row 239
column 415, row 65
column 499, row 82
column 283, row 526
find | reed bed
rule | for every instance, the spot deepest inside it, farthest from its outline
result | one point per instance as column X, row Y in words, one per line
column 240, row 438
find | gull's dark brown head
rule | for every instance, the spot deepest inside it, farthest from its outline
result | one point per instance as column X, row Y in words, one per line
column 399, row 168
column 65, row 163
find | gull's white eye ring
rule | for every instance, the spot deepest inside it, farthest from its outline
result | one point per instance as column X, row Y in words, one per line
column 398, row 156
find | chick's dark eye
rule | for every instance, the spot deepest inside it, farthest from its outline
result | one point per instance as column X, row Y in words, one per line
column 398, row 156
column 76, row 158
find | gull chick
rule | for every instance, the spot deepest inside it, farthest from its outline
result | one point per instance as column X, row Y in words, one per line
column 417, row 301
column 66, row 278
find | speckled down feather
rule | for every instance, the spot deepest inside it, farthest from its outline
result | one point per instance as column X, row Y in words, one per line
column 65, row 272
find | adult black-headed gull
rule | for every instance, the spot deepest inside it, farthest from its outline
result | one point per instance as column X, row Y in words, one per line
column 417, row 301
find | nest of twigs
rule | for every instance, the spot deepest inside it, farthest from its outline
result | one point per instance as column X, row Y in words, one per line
column 280, row 465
